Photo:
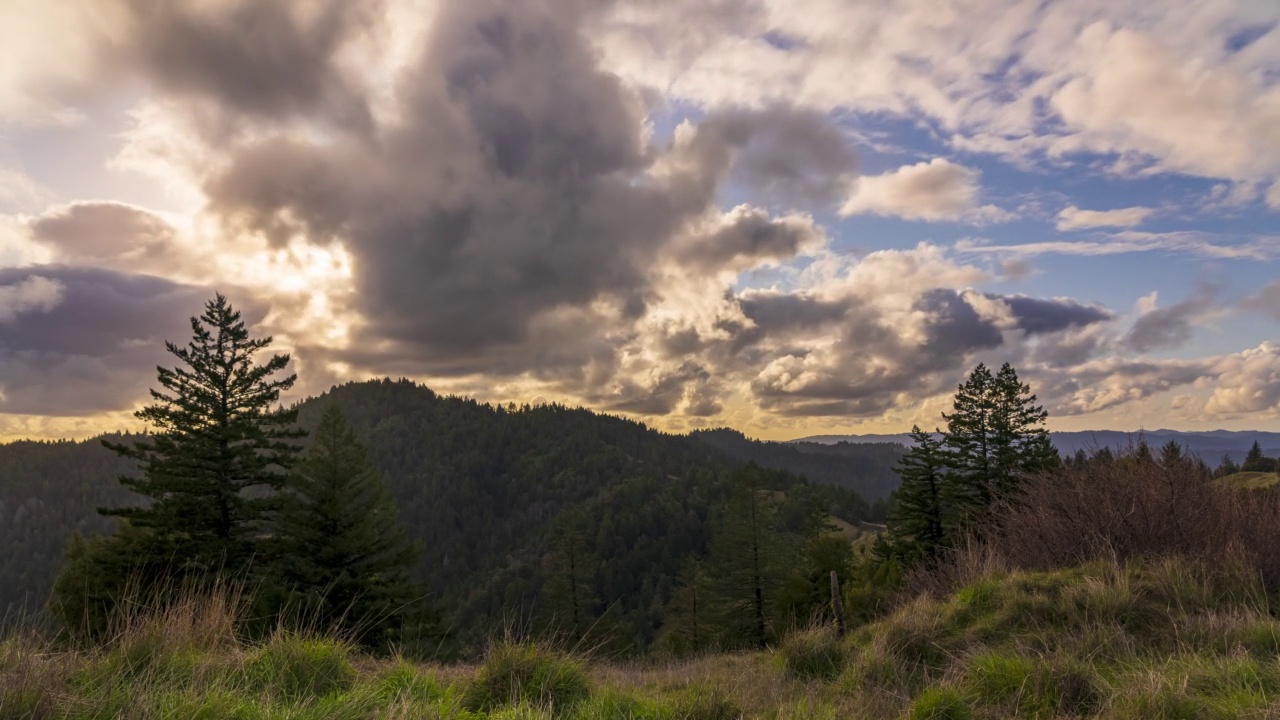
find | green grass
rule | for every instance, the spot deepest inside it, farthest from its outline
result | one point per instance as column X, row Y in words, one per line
column 1161, row 640
column 1251, row 480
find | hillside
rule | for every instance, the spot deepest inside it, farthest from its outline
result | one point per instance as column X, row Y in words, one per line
column 1210, row 445
column 480, row 488
column 1159, row 640
column 1251, row 480
column 865, row 468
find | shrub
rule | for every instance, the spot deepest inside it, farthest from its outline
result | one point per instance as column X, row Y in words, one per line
column 940, row 703
column 1135, row 506
column 513, row 673
column 295, row 668
column 812, row 654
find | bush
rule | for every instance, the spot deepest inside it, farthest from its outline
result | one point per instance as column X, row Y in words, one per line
column 294, row 668
column 513, row 673
column 940, row 703
column 813, row 654
column 1136, row 506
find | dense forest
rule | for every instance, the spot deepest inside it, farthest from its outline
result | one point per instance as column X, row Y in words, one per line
column 483, row 490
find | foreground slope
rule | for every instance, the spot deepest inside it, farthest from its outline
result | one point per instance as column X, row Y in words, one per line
column 1156, row 640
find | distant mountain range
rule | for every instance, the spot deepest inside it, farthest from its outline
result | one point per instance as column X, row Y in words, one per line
column 1210, row 445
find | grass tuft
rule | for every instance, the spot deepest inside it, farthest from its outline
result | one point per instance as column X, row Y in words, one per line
column 940, row 703
column 516, row 673
column 292, row 667
column 813, row 654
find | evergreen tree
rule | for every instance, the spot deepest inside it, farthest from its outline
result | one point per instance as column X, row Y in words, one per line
column 342, row 552
column 1226, row 467
column 688, row 620
column 219, row 452
column 1171, row 454
column 995, row 436
column 1255, row 461
column 749, row 560
column 918, row 525
column 569, row 602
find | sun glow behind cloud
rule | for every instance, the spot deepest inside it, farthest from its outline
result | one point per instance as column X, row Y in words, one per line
column 759, row 214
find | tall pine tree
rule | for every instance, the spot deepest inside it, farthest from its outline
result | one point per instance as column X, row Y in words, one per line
column 341, row 549
column 219, row 451
column 995, row 436
column 569, row 601
column 748, row 561
column 918, row 525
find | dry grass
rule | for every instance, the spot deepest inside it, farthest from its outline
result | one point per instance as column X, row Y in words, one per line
column 1111, row 639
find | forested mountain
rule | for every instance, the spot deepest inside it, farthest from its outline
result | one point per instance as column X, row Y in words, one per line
column 47, row 491
column 865, row 468
column 485, row 490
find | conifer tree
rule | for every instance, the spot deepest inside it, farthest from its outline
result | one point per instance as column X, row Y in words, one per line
column 748, row 560
column 918, row 524
column 1226, row 467
column 219, row 450
column 341, row 549
column 1255, row 461
column 569, row 602
column 688, row 619
column 995, row 436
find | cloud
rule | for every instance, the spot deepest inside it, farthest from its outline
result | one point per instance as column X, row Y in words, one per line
column 1039, row 316
column 1137, row 94
column 1171, row 326
column 85, row 340
column 1247, row 382
column 19, row 192
column 1073, row 218
column 745, row 237
column 32, row 294
column 266, row 60
column 1199, row 244
column 109, row 234
column 934, row 191
column 512, row 216
column 1265, row 301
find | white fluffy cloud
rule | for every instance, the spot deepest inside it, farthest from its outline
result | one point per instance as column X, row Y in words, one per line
column 1162, row 86
column 933, row 191
column 1074, row 218
column 32, row 294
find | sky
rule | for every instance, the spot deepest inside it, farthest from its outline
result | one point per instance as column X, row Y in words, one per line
column 791, row 217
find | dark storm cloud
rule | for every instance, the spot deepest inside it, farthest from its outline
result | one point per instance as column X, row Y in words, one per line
column 954, row 326
column 1170, row 326
column 512, row 211
column 1037, row 316
column 265, row 60
column 96, row 349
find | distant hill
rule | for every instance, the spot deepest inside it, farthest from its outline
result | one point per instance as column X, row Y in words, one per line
column 1209, row 445
column 479, row 487
column 1251, row 480
column 863, row 467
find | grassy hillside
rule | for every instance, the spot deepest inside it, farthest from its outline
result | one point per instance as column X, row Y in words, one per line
column 1153, row 640
column 1251, row 480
